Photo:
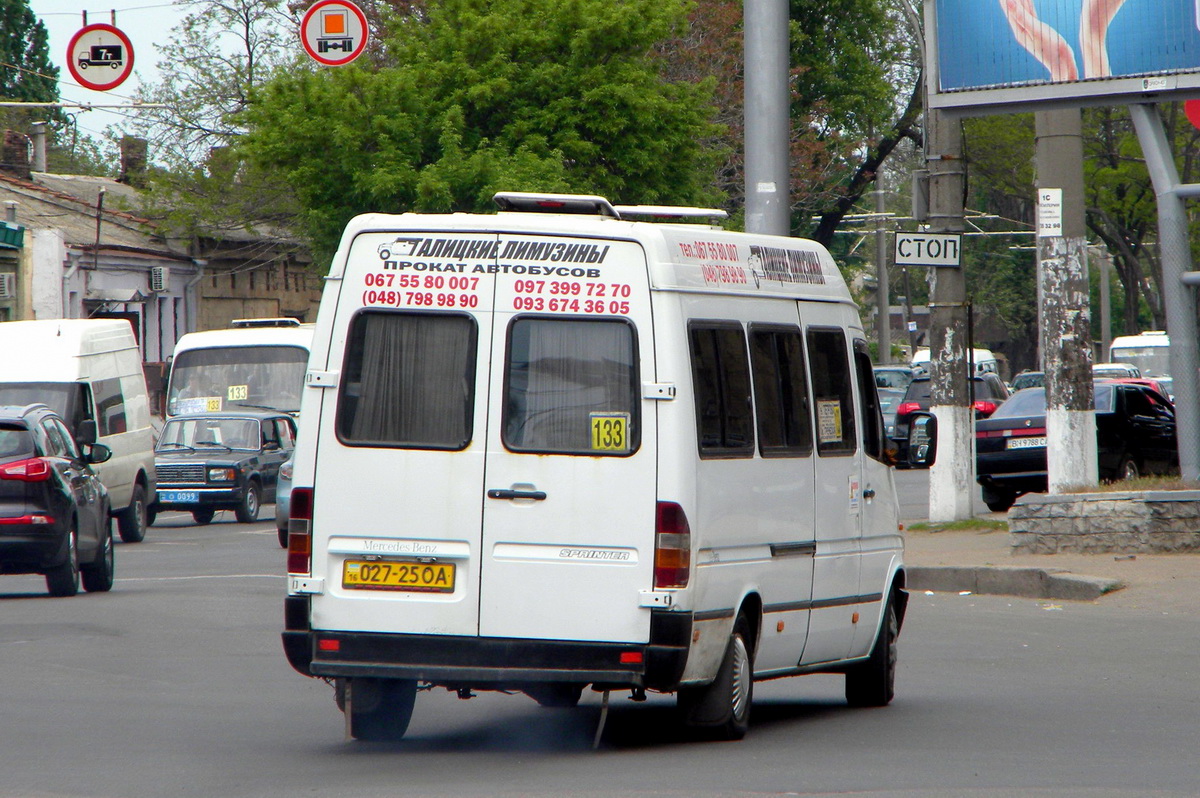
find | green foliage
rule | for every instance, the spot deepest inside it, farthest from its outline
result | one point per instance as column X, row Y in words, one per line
column 545, row 95
column 26, row 72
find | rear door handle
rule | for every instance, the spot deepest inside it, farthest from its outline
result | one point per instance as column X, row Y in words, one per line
column 536, row 495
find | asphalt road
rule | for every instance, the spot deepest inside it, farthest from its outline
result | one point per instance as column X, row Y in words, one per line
column 912, row 488
column 174, row 684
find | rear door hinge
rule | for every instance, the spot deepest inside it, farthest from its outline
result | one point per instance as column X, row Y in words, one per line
column 321, row 379
column 664, row 391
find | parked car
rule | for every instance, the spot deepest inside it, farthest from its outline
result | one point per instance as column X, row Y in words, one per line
column 221, row 461
column 989, row 392
column 1160, row 384
column 283, row 500
column 1135, row 433
column 1103, row 371
column 1029, row 379
column 54, row 510
column 889, row 400
column 893, row 377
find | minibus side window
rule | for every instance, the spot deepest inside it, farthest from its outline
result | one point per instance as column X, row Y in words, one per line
column 833, row 395
column 780, row 392
column 408, row 381
column 721, row 374
column 872, row 414
column 110, row 406
column 571, row 387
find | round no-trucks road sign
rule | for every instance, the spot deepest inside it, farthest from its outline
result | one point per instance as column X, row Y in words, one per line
column 100, row 57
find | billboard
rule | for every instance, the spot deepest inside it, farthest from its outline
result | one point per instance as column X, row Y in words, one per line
column 994, row 53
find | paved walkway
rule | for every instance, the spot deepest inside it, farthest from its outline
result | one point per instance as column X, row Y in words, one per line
column 957, row 560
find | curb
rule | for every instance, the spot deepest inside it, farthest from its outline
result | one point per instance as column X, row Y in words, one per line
column 1044, row 583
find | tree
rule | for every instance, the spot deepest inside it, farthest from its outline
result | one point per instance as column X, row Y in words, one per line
column 547, row 95
column 26, row 72
column 208, row 68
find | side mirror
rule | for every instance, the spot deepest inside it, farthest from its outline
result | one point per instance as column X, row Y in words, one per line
column 922, row 440
column 86, row 432
column 98, row 453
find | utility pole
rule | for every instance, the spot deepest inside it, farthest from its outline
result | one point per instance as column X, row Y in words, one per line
column 768, row 134
column 952, row 479
column 883, row 305
column 1064, row 314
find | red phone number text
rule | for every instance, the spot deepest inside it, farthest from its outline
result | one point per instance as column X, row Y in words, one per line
column 566, row 305
column 420, row 299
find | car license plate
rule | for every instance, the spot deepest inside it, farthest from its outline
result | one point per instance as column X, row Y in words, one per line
column 417, row 577
column 179, row 496
column 1034, row 442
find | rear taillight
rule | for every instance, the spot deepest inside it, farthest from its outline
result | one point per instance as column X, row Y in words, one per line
column 985, row 408
column 907, row 407
column 672, row 547
column 35, row 469
column 299, row 551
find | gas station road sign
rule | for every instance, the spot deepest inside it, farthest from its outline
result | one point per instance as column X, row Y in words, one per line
column 100, row 57
column 334, row 32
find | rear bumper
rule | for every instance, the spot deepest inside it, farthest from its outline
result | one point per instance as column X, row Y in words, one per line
column 216, row 498
column 31, row 549
column 489, row 662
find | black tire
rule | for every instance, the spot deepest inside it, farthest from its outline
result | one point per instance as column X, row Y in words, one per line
column 247, row 511
column 1128, row 469
column 203, row 516
column 283, row 535
column 151, row 516
column 562, row 696
column 131, row 522
column 873, row 683
column 380, row 709
column 98, row 577
column 722, row 709
column 998, row 501
column 63, row 580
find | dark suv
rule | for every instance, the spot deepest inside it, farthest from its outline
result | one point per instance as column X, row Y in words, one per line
column 988, row 393
column 206, row 462
column 53, row 509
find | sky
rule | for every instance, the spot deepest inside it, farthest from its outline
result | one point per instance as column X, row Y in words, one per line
column 147, row 23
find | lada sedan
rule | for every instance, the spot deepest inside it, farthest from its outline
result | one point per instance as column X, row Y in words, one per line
column 1135, row 433
column 221, row 461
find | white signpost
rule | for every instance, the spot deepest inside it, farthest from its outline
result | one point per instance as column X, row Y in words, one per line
column 1050, row 212
column 928, row 249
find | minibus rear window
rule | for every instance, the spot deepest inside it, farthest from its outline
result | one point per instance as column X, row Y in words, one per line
column 570, row 387
column 408, row 381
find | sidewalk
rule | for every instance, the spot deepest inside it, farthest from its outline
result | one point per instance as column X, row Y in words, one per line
column 982, row 562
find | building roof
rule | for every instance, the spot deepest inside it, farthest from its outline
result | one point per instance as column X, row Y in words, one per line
column 68, row 203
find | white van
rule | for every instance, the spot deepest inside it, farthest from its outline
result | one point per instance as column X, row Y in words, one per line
column 255, row 364
column 984, row 360
column 553, row 448
column 89, row 369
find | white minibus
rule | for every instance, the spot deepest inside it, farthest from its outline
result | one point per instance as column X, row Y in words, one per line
column 255, row 364
column 557, row 448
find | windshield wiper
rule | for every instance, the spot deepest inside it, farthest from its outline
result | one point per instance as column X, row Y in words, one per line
column 163, row 444
column 214, row 443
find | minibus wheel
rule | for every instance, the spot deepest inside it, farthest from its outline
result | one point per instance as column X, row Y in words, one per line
column 380, row 709
column 873, row 683
column 722, row 708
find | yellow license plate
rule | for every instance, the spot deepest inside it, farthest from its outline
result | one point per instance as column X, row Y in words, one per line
column 417, row 577
column 610, row 432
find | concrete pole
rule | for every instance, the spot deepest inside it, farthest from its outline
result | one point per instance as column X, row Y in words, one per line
column 1064, row 311
column 1179, row 299
column 883, row 302
column 767, row 101
column 952, row 485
